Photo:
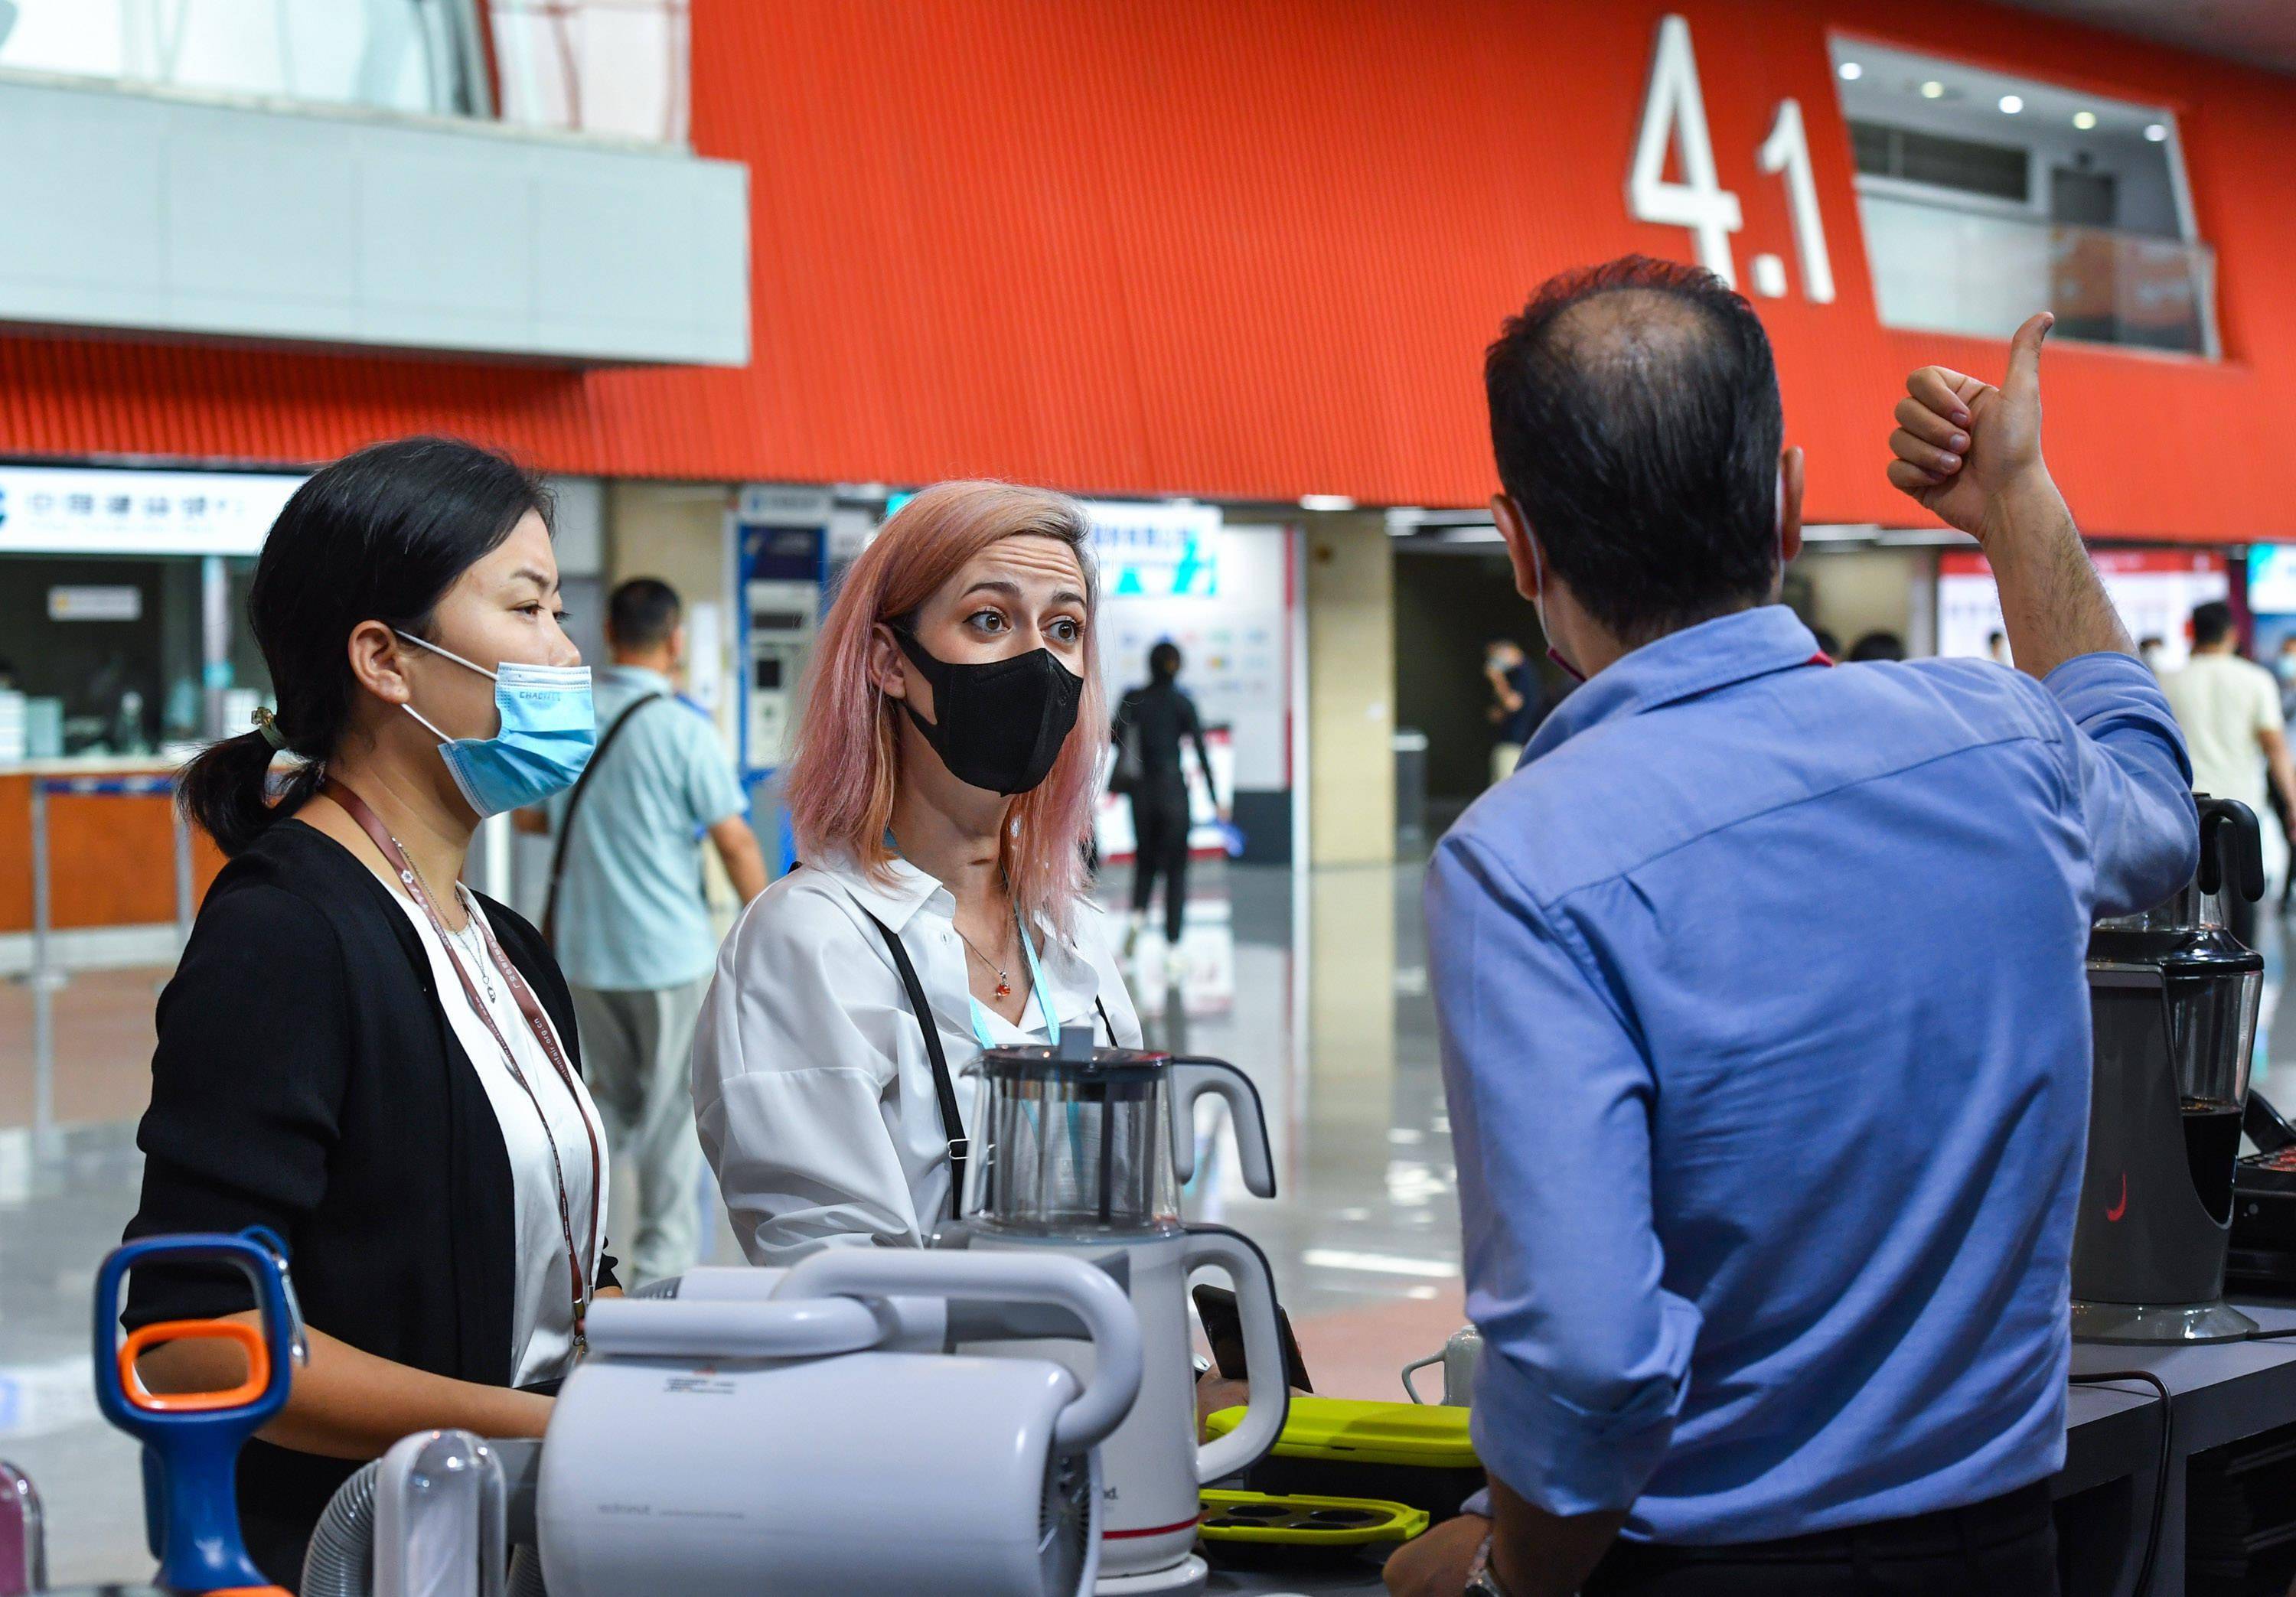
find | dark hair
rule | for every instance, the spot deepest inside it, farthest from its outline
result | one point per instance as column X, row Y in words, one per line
column 1828, row 644
column 1878, row 645
column 1635, row 420
column 642, row 612
column 2211, row 622
column 1164, row 660
column 379, row 535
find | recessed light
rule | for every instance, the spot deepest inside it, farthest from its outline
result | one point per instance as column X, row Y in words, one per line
column 2156, row 131
column 2084, row 119
column 1325, row 502
column 1851, row 71
column 2011, row 105
column 1932, row 90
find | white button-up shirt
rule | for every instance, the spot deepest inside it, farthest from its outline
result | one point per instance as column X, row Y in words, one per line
column 812, row 1088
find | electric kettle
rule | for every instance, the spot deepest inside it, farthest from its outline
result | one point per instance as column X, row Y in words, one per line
column 1084, row 1149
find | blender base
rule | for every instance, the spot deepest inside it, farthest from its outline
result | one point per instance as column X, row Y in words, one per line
column 2156, row 1323
column 1184, row 1580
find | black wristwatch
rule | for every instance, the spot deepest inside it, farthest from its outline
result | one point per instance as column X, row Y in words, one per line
column 1482, row 1580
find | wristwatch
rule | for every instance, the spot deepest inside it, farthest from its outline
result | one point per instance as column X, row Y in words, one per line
column 1482, row 1580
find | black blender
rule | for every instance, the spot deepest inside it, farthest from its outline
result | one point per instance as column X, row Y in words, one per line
column 2173, row 1000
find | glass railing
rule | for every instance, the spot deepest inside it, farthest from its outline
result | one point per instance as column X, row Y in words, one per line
column 616, row 68
column 1944, row 269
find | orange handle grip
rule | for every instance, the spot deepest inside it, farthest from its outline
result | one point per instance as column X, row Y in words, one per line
column 144, row 1337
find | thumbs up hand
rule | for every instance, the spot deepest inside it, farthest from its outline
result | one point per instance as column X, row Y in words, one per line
column 1963, row 445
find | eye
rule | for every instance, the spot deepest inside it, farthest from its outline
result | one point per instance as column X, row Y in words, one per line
column 1067, row 629
column 987, row 620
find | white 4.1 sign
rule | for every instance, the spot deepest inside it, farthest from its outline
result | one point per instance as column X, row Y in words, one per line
column 1673, row 116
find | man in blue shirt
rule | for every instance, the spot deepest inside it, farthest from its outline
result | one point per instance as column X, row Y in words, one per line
column 628, row 918
column 1764, row 1029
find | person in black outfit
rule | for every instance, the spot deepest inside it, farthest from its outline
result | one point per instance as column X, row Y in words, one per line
column 1155, row 718
column 1518, row 703
column 315, row 1071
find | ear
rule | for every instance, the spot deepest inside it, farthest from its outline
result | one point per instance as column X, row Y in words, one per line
column 889, row 667
column 1514, row 531
column 1789, row 483
column 379, row 663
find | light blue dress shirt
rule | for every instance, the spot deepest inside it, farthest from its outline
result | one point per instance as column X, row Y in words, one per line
column 631, row 914
column 1767, row 1041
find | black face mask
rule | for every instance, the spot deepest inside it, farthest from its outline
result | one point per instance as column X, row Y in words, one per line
column 1001, row 723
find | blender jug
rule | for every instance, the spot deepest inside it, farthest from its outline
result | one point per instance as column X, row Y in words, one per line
column 1084, row 1149
column 2173, row 999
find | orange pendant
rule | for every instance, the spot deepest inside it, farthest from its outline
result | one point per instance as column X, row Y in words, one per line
column 1004, row 989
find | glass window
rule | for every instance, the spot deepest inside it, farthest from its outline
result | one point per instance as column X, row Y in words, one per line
column 113, row 645
column 614, row 67
column 1985, row 196
column 610, row 67
column 404, row 56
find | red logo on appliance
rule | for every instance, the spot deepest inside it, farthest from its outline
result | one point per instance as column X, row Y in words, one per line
column 2113, row 1216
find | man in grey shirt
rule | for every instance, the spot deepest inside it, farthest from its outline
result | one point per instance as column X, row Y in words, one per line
column 629, row 915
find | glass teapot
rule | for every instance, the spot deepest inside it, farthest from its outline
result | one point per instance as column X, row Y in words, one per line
column 1085, row 1141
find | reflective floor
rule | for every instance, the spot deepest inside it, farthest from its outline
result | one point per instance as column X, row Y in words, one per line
column 1333, row 1028
column 1315, row 984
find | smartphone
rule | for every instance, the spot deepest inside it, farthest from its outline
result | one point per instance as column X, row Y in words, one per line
column 1223, row 1330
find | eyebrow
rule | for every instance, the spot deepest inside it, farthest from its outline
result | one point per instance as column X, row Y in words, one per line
column 1012, row 590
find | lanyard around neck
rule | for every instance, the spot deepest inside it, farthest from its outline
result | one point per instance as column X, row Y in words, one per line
column 529, row 1008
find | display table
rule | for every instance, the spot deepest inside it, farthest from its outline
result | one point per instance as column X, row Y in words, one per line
column 2222, row 1392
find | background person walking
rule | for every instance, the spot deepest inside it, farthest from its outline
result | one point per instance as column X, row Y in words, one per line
column 1151, row 723
column 629, row 916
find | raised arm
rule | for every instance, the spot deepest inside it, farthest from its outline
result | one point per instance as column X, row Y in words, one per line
column 1970, row 454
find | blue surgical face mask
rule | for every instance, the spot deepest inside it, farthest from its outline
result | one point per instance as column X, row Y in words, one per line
column 548, row 729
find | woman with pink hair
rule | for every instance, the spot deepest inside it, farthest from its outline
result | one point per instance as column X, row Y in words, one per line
column 941, row 793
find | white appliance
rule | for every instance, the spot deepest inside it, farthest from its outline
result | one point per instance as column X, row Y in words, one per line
column 1084, row 1154
column 804, row 1432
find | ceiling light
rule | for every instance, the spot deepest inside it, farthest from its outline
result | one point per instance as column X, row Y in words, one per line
column 2084, row 119
column 2011, row 105
column 1851, row 71
column 1932, row 90
column 2156, row 131
column 1325, row 502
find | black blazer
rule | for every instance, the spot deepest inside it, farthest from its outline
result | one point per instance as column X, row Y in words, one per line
column 307, row 1080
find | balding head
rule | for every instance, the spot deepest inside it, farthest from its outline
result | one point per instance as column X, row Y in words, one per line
column 1635, row 420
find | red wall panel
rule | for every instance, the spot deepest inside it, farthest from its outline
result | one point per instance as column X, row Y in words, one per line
column 1253, row 249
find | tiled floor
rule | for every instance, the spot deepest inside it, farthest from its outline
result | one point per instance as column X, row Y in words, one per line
column 1313, row 984
column 1333, row 1028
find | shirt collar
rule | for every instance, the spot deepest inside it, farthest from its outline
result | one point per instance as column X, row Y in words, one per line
column 638, row 677
column 1714, row 654
column 1069, row 970
column 894, row 898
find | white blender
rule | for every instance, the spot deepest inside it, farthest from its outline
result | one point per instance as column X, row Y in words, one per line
column 1083, row 1151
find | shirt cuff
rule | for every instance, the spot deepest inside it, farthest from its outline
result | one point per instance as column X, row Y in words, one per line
column 1563, row 1458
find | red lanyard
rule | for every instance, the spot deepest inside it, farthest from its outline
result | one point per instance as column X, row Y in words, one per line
column 529, row 1006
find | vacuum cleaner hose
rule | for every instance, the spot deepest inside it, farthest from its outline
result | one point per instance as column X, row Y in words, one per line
column 526, row 1574
column 341, row 1560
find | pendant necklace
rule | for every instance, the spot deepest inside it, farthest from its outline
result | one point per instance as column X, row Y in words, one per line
column 1004, row 982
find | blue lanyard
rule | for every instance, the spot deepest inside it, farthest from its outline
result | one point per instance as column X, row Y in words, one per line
column 1045, row 1012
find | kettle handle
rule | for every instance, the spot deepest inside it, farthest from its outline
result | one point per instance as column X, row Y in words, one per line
column 1267, row 1403
column 2232, row 849
column 1189, row 1079
column 1413, row 1368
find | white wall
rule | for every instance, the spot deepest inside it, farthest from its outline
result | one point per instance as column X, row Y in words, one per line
column 138, row 212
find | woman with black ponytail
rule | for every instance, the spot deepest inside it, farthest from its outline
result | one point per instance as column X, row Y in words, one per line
column 357, row 1051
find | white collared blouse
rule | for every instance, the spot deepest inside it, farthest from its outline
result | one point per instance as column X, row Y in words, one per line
column 812, row 1089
